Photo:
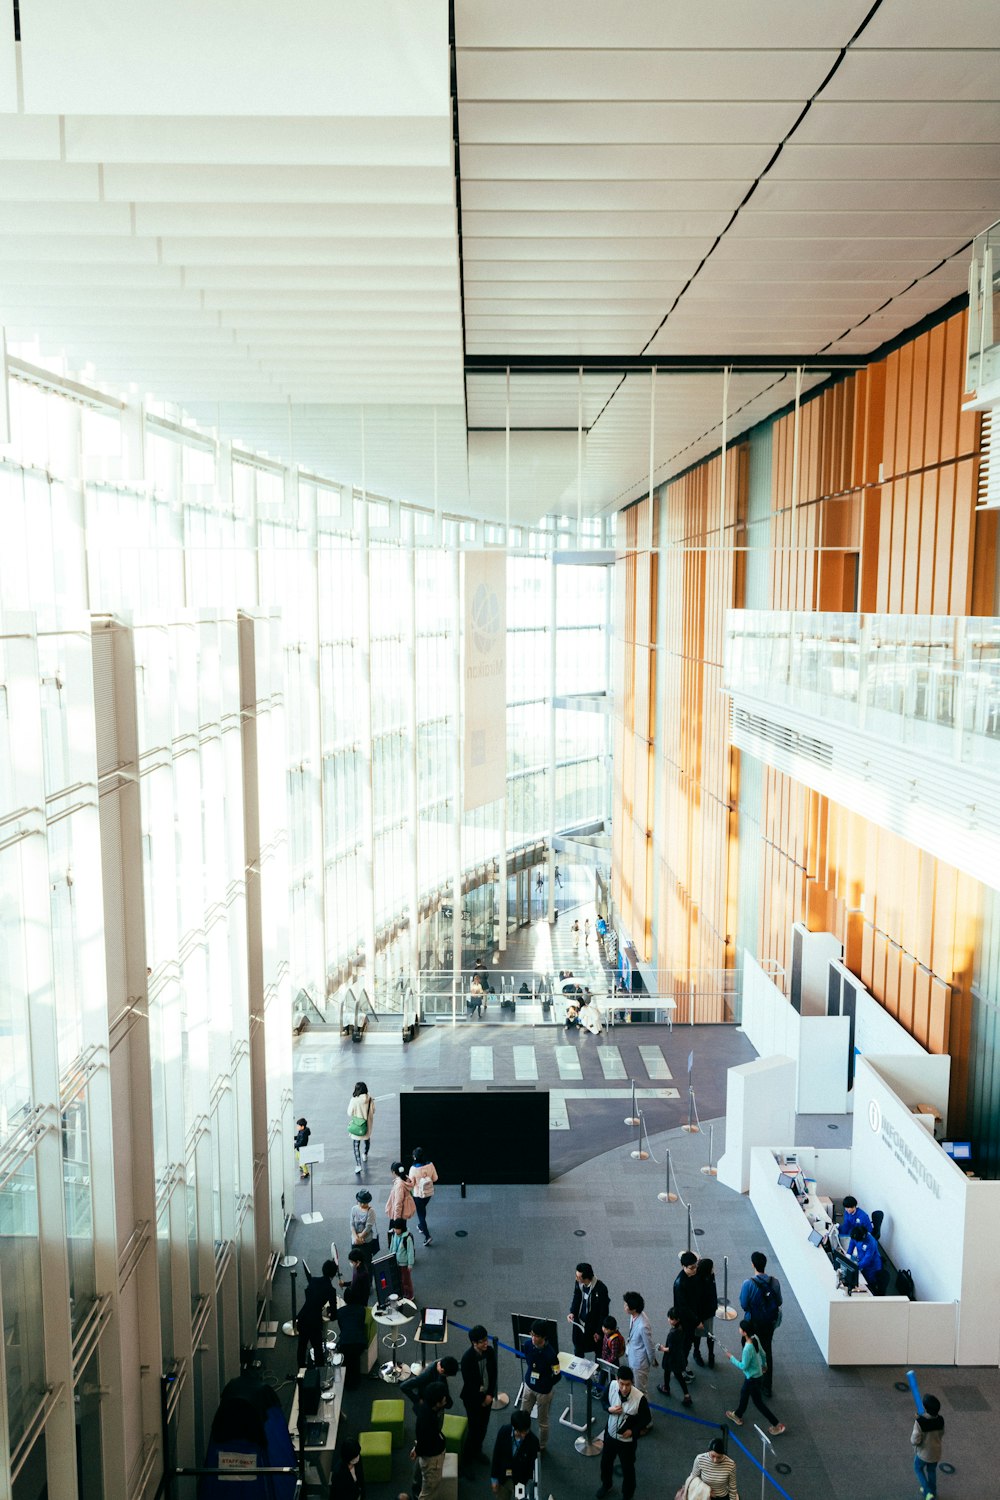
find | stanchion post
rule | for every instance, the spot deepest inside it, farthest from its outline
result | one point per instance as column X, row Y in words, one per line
column 667, row 1196
column 710, row 1170
column 724, row 1311
column 690, row 1230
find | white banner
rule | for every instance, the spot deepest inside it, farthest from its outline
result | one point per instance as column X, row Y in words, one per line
column 485, row 679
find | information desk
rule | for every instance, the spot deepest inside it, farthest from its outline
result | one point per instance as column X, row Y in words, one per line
column 859, row 1329
column 321, row 1457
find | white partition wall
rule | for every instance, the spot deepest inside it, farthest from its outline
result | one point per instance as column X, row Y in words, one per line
column 760, row 1109
column 818, row 1044
column 944, row 1226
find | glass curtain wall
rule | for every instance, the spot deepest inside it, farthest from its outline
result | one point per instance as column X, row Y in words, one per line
column 228, row 749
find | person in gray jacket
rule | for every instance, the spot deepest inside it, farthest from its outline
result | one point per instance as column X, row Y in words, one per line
column 640, row 1352
column 926, row 1437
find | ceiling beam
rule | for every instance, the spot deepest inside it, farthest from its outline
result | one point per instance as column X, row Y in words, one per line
column 543, row 364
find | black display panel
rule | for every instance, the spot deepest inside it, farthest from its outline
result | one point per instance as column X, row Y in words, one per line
column 478, row 1137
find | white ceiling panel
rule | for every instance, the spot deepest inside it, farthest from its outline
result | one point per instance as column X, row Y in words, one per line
column 866, row 162
column 649, row 23
column 923, row 194
column 659, row 251
column 925, row 23
column 279, row 219
column 919, row 74
column 515, row 123
column 207, row 141
column 30, row 138
column 597, row 162
column 316, row 57
column 269, row 184
column 541, row 272
column 913, row 124
column 867, row 225
column 615, row 223
column 622, row 74
column 578, row 196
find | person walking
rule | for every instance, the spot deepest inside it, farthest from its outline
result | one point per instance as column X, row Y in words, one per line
column 586, row 932
column 423, row 1175
column 675, row 1352
column 402, row 1247
column 360, row 1117
column 706, row 1302
column 752, row 1362
column 479, row 1391
column 514, row 1454
column 926, row 1437
column 639, row 1350
column 301, row 1141
column 716, row 1469
column 541, row 1376
column 760, row 1299
column 587, row 1311
column 628, row 1417
column 476, row 997
column 364, row 1230
column 686, row 1298
column 399, row 1204
column 428, row 1445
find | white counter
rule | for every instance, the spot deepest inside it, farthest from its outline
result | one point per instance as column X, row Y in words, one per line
column 850, row 1330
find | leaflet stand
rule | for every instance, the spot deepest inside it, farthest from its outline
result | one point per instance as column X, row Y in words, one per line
column 585, row 1370
column 311, row 1156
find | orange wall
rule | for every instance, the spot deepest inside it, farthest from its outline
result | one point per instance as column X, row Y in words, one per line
column 887, row 477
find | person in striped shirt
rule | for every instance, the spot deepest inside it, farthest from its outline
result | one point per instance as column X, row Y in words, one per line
column 716, row 1469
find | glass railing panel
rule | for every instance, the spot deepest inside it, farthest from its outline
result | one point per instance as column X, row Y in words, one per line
column 931, row 681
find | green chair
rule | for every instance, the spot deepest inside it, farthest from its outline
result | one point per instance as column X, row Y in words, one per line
column 387, row 1416
column 376, row 1455
column 454, row 1429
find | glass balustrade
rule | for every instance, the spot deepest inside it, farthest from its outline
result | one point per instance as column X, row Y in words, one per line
column 930, row 681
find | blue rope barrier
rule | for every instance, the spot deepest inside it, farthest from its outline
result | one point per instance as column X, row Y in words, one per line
column 665, row 1411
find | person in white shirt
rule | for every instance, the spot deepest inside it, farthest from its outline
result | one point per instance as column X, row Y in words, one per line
column 628, row 1416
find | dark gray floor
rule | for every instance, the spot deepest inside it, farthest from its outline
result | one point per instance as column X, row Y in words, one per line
column 848, row 1430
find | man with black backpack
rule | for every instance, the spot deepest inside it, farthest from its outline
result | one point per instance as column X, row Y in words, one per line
column 760, row 1299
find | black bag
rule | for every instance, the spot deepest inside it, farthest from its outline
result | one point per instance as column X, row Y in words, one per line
column 904, row 1285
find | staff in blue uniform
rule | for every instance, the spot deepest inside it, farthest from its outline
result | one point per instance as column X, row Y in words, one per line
column 865, row 1253
column 853, row 1215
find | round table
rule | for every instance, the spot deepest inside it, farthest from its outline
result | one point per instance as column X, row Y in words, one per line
column 391, row 1318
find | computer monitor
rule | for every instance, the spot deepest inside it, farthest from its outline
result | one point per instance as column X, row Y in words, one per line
column 848, row 1268
column 385, row 1274
column 521, row 1326
column 958, row 1150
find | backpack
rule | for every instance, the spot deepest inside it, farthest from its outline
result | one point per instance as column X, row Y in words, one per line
column 760, row 1353
column 904, row 1285
column 767, row 1298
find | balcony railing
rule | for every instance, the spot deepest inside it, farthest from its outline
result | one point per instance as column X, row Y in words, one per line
column 929, row 682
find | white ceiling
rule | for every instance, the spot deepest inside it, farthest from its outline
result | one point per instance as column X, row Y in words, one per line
column 251, row 211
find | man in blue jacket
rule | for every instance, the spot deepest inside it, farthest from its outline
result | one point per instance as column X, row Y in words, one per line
column 541, row 1376
column 863, row 1250
column 853, row 1215
column 760, row 1299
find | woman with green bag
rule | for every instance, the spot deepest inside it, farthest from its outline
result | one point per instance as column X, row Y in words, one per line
column 360, row 1114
